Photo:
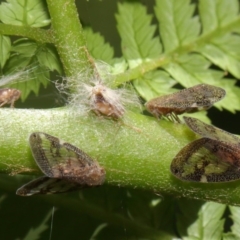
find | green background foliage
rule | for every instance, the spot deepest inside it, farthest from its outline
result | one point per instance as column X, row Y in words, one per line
column 158, row 46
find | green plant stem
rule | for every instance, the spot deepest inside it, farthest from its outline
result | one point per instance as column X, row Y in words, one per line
column 140, row 70
column 37, row 34
column 136, row 152
column 68, row 35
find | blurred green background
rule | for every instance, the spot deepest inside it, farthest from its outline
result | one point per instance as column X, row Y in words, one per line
column 19, row 214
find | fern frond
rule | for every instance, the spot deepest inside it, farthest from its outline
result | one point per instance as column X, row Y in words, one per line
column 208, row 224
column 5, row 48
column 24, row 13
column 192, row 44
column 97, row 46
column 235, row 213
column 35, row 233
column 39, row 58
column 137, row 34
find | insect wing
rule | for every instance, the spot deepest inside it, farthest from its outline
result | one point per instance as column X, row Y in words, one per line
column 105, row 100
column 46, row 185
column 196, row 98
column 201, row 95
column 58, row 159
column 205, row 94
column 207, row 160
column 209, row 131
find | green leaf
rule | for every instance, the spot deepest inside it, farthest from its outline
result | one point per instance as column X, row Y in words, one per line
column 97, row 46
column 48, row 57
column 193, row 69
column 224, row 52
column 235, row 215
column 44, row 53
column 35, row 233
column 31, row 80
column 221, row 50
column 177, row 26
column 118, row 65
column 28, row 54
column 188, row 55
column 16, row 63
column 187, row 216
column 137, row 33
column 25, row 47
column 154, row 84
column 24, row 13
column 218, row 13
column 188, row 70
column 5, row 47
column 197, row 221
column 229, row 236
column 231, row 102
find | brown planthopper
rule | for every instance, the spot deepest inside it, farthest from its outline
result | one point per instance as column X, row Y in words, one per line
column 213, row 158
column 189, row 100
column 93, row 92
column 209, row 131
column 67, row 168
column 104, row 100
column 9, row 96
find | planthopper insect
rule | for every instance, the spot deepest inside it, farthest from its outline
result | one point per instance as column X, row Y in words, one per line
column 93, row 92
column 189, row 100
column 67, row 168
column 213, row 158
column 209, row 131
column 9, row 96
column 104, row 100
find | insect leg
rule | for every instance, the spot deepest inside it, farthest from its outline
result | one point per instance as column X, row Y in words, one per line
column 3, row 103
column 175, row 116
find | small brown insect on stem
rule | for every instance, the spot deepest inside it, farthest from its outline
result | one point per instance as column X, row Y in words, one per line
column 66, row 167
column 9, row 96
column 92, row 92
column 189, row 100
column 103, row 99
column 213, row 158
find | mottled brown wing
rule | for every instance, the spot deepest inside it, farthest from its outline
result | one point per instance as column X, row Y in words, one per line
column 58, row 159
column 209, row 131
column 46, row 185
column 207, row 160
column 201, row 95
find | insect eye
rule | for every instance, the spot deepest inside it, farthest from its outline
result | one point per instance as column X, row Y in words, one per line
column 34, row 135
